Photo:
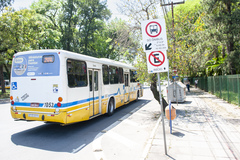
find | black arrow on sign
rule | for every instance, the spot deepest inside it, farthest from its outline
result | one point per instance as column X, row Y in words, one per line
column 147, row 47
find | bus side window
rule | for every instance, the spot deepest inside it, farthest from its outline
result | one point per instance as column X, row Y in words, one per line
column 133, row 77
column 113, row 74
column 105, row 74
column 121, row 80
column 77, row 73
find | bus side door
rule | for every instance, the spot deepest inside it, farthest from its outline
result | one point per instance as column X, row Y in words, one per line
column 126, row 89
column 94, row 91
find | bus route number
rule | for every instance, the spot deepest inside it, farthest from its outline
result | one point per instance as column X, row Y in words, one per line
column 49, row 105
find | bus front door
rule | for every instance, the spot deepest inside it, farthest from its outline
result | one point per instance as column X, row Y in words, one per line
column 126, row 90
column 94, row 92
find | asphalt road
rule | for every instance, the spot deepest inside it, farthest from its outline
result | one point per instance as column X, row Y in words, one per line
column 121, row 136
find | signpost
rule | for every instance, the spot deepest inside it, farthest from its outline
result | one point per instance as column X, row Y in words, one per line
column 155, row 46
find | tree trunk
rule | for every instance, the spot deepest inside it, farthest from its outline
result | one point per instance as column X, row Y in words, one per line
column 155, row 92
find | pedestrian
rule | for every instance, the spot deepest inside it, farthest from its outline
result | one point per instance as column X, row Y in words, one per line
column 196, row 82
column 188, row 85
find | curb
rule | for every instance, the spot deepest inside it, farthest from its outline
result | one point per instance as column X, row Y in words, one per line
column 150, row 140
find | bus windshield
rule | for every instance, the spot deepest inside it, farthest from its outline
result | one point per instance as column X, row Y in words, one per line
column 39, row 64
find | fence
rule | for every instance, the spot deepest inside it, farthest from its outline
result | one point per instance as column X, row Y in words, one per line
column 225, row 87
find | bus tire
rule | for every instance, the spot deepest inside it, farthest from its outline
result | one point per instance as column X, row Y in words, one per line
column 110, row 107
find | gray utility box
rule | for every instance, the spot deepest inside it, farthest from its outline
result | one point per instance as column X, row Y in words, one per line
column 176, row 92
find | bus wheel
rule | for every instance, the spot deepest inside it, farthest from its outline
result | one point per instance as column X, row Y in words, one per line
column 110, row 107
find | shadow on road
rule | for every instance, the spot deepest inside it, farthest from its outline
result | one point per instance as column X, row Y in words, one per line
column 53, row 137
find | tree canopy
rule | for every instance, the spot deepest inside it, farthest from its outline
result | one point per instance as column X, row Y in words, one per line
column 206, row 32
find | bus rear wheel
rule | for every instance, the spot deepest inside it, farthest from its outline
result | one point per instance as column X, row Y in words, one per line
column 110, row 107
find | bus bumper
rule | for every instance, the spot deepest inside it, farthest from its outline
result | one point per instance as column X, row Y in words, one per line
column 41, row 115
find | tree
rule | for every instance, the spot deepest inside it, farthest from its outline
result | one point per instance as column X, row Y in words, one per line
column 120, row 43
column 188, row 35
column 222, row 22
column 92, row 13
column 5, row 3
column 139, row 10
column 24, row 30
column 77, row 20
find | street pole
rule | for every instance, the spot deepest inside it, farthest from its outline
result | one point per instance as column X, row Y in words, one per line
column 174, row 39
column 173, row 35
column 160, row 96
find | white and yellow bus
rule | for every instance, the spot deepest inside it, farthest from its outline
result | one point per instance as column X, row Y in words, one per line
column 66, row 87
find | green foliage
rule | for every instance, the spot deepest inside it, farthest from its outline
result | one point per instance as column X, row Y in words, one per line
column 222, row 31
column 5, row 3
column 214, row 66
column 207, row 37
column 25, row 30
column 83, row 27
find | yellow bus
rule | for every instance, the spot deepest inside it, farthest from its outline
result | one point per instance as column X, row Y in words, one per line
column 66, row 87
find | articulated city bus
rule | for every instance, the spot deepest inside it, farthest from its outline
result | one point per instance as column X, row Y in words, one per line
column 66, row 87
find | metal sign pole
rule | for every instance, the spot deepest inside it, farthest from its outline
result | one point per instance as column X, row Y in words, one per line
column 168, row 88
column 160, row 96
column 168, row 82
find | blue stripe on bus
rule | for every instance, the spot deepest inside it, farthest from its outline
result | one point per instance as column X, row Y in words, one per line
column 64, row 105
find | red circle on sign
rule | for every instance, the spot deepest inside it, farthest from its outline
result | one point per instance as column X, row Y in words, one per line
column 160, row 29
column 157, row 59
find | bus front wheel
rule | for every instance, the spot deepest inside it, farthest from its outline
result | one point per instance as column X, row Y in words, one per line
column 110, row 107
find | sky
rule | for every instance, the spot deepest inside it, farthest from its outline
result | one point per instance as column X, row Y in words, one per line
column 21, row 4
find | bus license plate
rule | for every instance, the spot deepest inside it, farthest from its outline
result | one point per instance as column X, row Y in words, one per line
column 34, row 104
column 33, row 115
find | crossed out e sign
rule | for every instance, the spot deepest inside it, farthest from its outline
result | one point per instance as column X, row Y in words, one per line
column 157, row 61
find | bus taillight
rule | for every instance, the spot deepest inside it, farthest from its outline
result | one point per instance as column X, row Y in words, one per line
column 59, row 104
column 11, row 97
column 12, row 102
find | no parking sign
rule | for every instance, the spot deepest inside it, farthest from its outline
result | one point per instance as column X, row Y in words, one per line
column 157, row 61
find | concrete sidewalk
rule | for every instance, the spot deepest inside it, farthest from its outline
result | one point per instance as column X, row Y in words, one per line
column 198, row 133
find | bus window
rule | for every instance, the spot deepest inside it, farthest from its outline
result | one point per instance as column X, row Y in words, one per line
column 38, row 64
column 77, row 73
column 121, row 75
column 90, row 80
column 113, row 73
column 105, row 74
column 133, row 77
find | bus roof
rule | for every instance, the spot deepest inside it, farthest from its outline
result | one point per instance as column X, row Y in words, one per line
column 80, row 56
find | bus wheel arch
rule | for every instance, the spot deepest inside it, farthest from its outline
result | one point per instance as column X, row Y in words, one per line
column 111, row 106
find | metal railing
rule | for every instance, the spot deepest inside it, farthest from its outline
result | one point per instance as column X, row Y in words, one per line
column 225, row 87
